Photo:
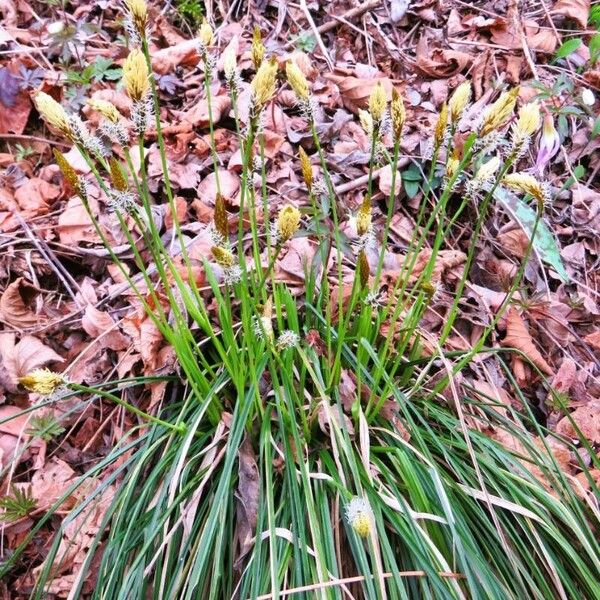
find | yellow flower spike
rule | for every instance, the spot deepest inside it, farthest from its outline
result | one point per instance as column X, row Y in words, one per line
column 135, row 75
column 138, row 9
column 258, row 48
column 205, row 33
column 220, row 219
column 377, row 103
column 498, row 113
column 397, row 114
column 529, row 119
column 117, row 177
column 452, row 165
column 68, row 172
column 527, row 184
column 364, row 270
column 366, row 120
column 222, row 256
column 288, row 222
column 53, row 113
column 229, row 63
column 488, row 169
column 363, row 217
column 360, row 516
column 106, row 109
column 439, row 132
column 459, row 100
column 263, row 84
column 297, row 80
column 42, row 381
column 306, row 167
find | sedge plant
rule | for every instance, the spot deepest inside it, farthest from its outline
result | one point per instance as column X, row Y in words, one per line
column 263, row 476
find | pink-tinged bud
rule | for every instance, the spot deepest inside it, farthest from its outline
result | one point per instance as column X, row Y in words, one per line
column 548, row 145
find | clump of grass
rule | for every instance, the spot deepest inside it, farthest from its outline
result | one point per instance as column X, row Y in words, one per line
column 263, row 479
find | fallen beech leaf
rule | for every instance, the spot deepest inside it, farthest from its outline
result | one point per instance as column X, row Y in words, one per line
column 247, row 497
column 355, row 91
column 518, row 336
column 587, row 419
column 146, row 338
column 197, row 116
column 99, row 324
column 74, row 225
column 13, row 438
column 35, row 196
column 229, row 182
column 347, row 390
column 164, row 61
column 385, row 181
column 14, row 308
column 578, row 10
column 593, row 339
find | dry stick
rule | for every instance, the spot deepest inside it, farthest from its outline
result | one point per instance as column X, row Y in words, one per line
column 316, row 33
column 355, row 579
column 32, row 138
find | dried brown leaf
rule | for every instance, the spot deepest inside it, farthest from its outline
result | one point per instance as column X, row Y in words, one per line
column 578, row 10
column 518, row 336
column 14, row 305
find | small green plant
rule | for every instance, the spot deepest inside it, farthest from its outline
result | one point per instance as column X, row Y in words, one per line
column 45, row 426
column 18, row 505
column 191, row 11
column 23, row 152
column 305, row 41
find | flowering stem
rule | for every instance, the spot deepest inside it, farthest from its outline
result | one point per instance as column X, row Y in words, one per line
column 181, row 428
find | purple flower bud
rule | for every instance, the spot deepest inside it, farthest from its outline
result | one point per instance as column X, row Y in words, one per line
column 548, row 146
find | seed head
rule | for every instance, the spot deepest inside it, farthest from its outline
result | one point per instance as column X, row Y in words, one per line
column 360, row 516
column 223, row 257
column 529, row 119
column 138, row 10
column 106, row 109
column 42, row 381
column 258, row 48
column 288, row 222
column 53, row 113
column 306, row 168
column 498, row 113
column 377, row 103
column 287, row 339
column 263, row 327
column 205, row 33
column 263, row 84
column 527, row 184
column 297, row 80
column 135, row 75
column 363, row 217
column 439, row 133
column 459, row 100
column 398, row 114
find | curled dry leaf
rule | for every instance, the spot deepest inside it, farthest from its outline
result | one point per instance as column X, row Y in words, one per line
column 247, row 497
column 198, row 116
column 14, row 305
column 518, row 336
column 578, row 10
column 440, row 63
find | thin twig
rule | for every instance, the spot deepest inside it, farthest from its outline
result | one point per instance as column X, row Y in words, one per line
column 32, row 138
